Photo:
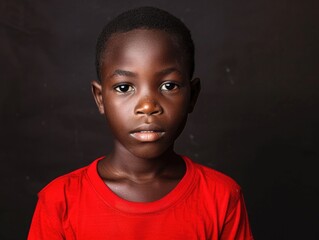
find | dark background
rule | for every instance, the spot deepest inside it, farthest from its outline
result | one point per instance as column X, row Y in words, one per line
column 256, row 119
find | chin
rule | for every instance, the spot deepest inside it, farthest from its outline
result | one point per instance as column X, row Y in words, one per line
column 149, row 151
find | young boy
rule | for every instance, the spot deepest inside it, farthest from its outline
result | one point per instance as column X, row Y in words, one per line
column 143, row 189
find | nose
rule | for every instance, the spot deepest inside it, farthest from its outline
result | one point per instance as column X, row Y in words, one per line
column 148, row 106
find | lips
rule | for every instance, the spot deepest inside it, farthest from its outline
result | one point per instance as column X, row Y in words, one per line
column 147, row 133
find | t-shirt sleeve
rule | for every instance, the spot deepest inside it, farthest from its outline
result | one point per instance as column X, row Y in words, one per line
column 45, row 223
column 236, row 226
column 51, row 216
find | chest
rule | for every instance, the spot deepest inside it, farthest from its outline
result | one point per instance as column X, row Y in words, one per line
column 180, row 222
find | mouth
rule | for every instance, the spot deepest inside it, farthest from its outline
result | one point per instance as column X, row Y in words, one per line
column 147, row 133
column 147, row 136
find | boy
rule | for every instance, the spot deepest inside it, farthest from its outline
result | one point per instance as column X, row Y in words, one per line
column 143, row 189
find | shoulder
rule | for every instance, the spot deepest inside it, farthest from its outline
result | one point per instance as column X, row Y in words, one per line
column 212, row 176
column 215, row 184
column 216, row 190
column 216, row 177
column 63, row 186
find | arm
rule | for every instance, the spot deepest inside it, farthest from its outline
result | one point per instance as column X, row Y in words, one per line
column 46, row 223
column 236, row 226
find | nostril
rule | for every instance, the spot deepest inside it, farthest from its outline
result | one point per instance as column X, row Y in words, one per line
column 155, row 112
column 139, row 112
column 148, row 107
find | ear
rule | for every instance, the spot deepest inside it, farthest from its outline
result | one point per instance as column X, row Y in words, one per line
column 195, row 89
column 97, row 94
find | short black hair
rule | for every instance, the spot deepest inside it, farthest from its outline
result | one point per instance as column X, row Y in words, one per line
column 147, row 18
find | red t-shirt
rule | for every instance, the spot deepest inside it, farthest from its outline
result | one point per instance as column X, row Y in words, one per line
column 204, row 205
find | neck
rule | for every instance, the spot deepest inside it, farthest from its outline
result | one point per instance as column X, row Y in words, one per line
column 122, row 163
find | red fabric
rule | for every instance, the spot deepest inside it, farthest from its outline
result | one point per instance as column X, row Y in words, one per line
column 204, row 205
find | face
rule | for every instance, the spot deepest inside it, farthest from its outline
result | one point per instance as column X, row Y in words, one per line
column 145, row 92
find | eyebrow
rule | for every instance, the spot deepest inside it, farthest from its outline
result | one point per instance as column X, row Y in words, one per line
column 125, row 73
column 120, row 72
column 168, row 71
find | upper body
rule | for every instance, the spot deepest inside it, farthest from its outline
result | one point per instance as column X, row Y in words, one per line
column 205, row 204
column 145, row 90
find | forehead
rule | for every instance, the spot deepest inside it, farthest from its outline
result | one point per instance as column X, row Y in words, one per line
column 142, row 46
column 138, row 38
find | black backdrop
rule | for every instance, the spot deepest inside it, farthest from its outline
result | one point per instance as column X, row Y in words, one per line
column 256, row 119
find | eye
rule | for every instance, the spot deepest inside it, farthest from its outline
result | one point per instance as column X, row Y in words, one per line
column 169, row 86
column 124, row 88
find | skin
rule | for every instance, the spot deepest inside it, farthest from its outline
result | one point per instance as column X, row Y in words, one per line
column 145, row 95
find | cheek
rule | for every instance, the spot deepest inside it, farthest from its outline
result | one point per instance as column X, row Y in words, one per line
column 117, row 112
column 116, row 104
column 179, row 105
column 177, row 111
